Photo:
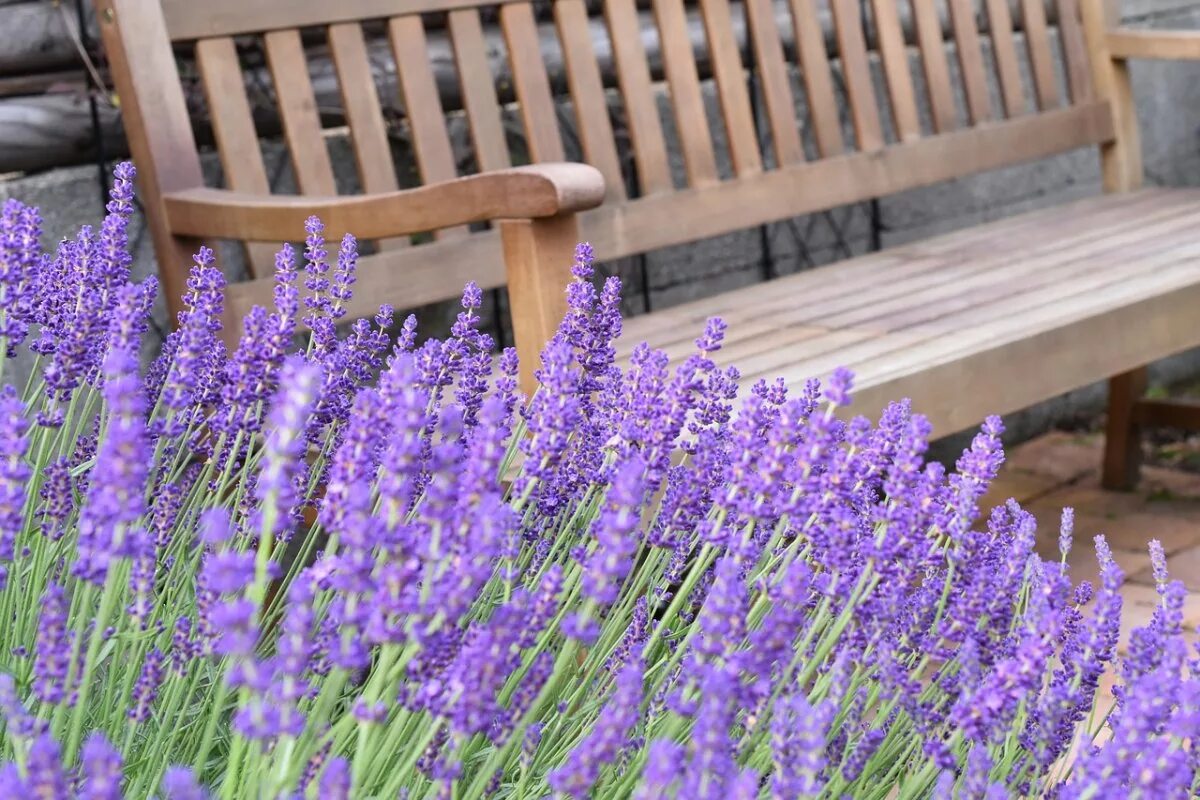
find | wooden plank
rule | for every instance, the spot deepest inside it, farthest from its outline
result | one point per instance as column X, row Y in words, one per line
column 157, row 125
column 533, row 87
column 587, row 95
column 1070, row 29
column 1004, row 50
column 893, row 52
column 1151, row 44
column 530, row 192
column 856, row 71
column 1183, row 413
column 730, row 75
column 872, row 281
column 774, row 82
column 818, row 78
column 637, row 226
column 233, row 129
column 937, row 70
column 423, row 107
column 691, row 120
column 857, row 281
column 298, row 111
column 970, row 60
column 360, row 100
column 1043, row 359
column 1037, row 39
column 637, row 96
column 907, row 291
column 409, row 277
column 1121, row 157
column 188, row 19
column 479, row 93
column 368, row 133
column 910, row 347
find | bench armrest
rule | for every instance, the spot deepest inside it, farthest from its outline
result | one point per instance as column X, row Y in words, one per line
column 1154, row 44
column 531, row 192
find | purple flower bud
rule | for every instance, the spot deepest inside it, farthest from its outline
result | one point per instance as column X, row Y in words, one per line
column 100, row 765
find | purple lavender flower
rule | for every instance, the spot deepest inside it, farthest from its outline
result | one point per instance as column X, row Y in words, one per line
column 276, row 487
column 608, row 735
column 45, row 776
column 14, row 473
column 179, row 783
column 798, row 734
column 335, row 780
column 614, row 531
column 100, row 765
column 116, row 499
column 52, row 653
column 17, row 719
column 145, row 690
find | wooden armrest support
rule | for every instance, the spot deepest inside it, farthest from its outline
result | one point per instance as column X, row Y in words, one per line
column 1156, row 44
column 532, row 192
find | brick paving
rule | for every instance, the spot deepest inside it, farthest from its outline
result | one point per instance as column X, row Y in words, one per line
column 1062, row 469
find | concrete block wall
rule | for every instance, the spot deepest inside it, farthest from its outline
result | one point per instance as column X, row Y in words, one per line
column 1168, row 96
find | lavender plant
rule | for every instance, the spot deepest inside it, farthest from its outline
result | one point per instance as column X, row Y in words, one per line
column 365, row 568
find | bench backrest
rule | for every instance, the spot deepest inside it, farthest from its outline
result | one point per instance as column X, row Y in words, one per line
column 938, row 121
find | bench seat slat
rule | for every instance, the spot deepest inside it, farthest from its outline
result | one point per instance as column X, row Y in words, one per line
column 866, row 285
column 956, row 299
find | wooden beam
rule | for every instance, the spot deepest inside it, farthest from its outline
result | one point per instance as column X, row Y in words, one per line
column 1168, row 413
column 1150, row 44
column 529, row 192
column 636, row 226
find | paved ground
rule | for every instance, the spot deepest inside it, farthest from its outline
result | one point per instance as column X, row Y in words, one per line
column 1062, row 469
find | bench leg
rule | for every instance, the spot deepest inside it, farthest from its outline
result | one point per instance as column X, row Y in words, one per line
column 537, row 257
column 1122, row 439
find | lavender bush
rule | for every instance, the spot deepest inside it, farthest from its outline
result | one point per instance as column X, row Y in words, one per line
column 371, row 569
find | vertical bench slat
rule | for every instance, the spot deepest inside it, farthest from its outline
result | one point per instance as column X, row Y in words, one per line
column 970, row 60
column 1037, row 39
column 587, row 95
column 691, row 121
column 818, row 78
column 479, row 93
column 423, row 106
column 730, row 75
column 894, row 54
column 368, row 132
column 1070, row 28
column 1005, row 51
column 298, row 110
column 233, row 128
column 856, row 70
column 531, row 82
column 935, row 65
column 637, row 96
column 773, row 78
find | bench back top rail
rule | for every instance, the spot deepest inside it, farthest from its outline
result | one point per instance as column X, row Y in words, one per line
column 999, row 96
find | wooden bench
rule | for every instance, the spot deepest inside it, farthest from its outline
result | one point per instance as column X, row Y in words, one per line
column 986, row 320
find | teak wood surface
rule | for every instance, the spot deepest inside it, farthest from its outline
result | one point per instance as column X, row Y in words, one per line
column 985, row 320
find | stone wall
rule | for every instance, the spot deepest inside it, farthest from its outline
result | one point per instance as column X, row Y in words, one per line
column 1168, row 96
